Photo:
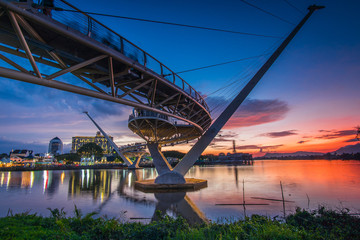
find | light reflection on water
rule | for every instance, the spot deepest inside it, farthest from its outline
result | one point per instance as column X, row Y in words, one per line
column 306, row 184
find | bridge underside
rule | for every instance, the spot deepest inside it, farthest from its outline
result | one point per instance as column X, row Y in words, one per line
column 113, row 68
column 162, row 131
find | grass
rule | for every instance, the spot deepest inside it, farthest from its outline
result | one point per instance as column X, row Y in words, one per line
column 319, row 224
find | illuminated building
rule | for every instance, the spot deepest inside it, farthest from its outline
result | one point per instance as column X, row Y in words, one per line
column 5, row 162
column 100, row 140
column 19, row 155
column 55, row 146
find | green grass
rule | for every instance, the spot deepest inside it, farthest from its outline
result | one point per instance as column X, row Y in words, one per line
column 319, row 224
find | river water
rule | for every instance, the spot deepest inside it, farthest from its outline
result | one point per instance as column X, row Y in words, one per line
column 306, row 184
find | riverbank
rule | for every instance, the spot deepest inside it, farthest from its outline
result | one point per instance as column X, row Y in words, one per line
column 63, row 167
column 319, row 224
column 111, row 166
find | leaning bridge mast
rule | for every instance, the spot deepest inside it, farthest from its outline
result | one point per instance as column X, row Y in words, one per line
column 177, row 174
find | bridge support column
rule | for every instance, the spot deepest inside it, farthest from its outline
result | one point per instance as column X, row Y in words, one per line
column 166, row 175
column 136, row 163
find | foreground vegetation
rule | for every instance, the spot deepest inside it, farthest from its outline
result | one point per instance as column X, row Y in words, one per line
column 319, row 224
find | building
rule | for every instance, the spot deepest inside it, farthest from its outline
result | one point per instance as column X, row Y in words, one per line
column 5, row 162
column 100, row 140
column 55, row 146
column 235, row 156
column 19, row 156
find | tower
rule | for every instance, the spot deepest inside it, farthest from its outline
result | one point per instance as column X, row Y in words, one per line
column 55, row 146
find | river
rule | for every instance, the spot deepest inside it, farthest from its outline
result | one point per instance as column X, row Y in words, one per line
column 306, row 184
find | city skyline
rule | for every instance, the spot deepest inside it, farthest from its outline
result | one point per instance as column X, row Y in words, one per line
column 307, row 101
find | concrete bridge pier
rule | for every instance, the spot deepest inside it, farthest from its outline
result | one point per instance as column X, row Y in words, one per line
column 135, row 164
column 164, row 169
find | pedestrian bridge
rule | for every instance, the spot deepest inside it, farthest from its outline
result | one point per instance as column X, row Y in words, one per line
column 111, row 68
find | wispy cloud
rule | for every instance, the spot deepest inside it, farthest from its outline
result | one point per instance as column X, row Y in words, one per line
column 352, row 140
column 280, row 134
column 332, row 134
column 269, row 147
column 255, row 112
column 224, row 137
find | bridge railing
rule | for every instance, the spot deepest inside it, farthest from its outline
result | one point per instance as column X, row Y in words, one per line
column 146, row 113
column 73, row 17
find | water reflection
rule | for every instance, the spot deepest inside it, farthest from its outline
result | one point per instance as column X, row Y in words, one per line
column 110, row 192
column 89, row 182
column 181, row 205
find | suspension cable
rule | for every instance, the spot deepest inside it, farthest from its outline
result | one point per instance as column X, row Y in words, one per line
column 240, row 80
column 169, row 23
column 267, row 12
column 293, row 6
column 219, row 64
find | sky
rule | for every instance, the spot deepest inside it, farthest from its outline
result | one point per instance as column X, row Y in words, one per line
column 307, row 101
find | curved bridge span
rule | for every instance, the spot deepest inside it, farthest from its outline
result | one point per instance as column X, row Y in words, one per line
column 112, row 68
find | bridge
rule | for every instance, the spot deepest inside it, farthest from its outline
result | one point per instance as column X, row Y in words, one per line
column 167, row 110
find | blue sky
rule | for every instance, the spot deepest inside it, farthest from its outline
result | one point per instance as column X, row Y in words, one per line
column 313, row 86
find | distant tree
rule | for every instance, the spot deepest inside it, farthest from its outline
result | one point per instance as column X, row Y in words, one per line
column 174, row 154
column 114, row 158
column 210, row 157
column 3, row 155
column 69, row 158
column 89, row 149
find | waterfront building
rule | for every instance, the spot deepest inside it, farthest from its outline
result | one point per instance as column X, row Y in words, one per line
column 235, row 156
column 55, row 146
column 18, row 156
column 87, row 161
column 5, row 162
column 48, row 159
column 99, row 139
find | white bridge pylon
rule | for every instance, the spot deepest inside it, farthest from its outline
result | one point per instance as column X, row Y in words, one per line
column 176, row 175
column 127, row 161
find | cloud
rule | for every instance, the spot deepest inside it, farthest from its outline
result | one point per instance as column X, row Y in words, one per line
column 245, row 147
column 224, row 137
column 327, row 131
column 253, row 111
column 332, row 134
column 7, row 145
column 227, row 134
column 352, row 140
column 301, row 142
column 218, row 146
column 280, row 134
column 48, row 99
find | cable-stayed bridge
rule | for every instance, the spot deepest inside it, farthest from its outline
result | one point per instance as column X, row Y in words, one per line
column 166, row 108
